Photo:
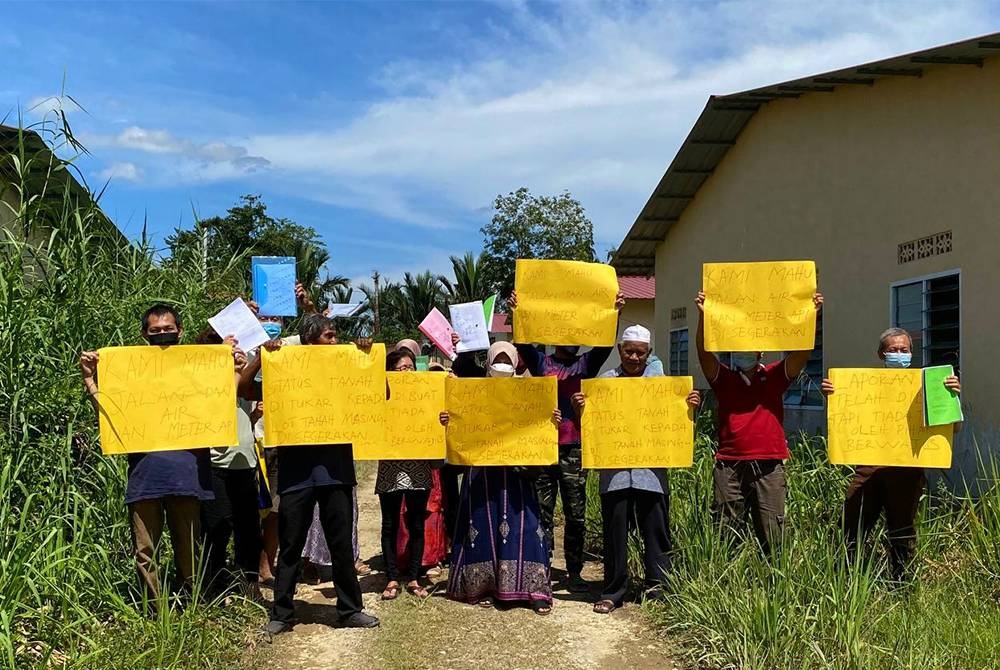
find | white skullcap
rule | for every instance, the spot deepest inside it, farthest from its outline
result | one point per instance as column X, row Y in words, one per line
column 637, row 334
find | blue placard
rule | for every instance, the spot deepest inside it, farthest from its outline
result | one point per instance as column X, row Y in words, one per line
column 274, row 285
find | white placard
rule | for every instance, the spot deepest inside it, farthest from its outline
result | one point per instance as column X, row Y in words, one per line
column 238, row 320
column 468, row 320
column 343, row 309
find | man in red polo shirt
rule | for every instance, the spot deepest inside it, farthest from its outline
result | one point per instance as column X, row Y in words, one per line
column 749, row 473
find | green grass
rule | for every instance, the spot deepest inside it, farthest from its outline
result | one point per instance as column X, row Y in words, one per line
column 68, row 591
column 807, row 608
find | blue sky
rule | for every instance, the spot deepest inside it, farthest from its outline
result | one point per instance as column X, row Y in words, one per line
column 390, row 127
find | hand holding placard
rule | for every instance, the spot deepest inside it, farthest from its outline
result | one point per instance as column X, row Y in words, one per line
column 468, row 320
column 637, row 422
column 565, row 303
column 502, row 421
column 166, row 398
column 875, row 417
column 274, row 285
column 437, row 329
column 760, row 306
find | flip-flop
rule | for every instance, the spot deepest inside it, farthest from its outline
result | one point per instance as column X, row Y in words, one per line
column 604, row 607
column 542, row 610
column 486, row 603
column 417, row 591
column 390, row 592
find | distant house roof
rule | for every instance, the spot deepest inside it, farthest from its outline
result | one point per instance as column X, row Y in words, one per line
column 724, row 118
column 46, row 175
column 501, row 324
column 638, row 288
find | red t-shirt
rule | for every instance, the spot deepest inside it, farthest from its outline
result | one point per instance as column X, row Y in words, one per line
column 751, row 417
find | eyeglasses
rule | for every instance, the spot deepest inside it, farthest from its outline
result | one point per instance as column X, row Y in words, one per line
column 406, row 368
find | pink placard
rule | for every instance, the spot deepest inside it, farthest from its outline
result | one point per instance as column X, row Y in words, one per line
column 438, row 330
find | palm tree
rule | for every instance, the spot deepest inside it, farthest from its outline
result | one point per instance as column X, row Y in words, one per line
column 309, row 261
column 417, row 296
column 469, row 282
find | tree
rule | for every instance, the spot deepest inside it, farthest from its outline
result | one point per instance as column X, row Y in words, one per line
column 529, row 226
column 417, row 295
column 222, row 246
column 468, row 281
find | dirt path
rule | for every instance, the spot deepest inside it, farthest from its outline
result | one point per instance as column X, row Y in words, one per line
column 437, row 633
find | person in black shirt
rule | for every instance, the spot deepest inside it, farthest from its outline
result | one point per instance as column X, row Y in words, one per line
column 308, row 475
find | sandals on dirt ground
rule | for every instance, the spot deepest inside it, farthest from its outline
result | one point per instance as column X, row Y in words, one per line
column 486, row 603
column 390, row 592
column 417, row 590
column 541, row 607
column 604, row 607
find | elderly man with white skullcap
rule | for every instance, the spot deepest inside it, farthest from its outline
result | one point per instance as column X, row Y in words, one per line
column 634, row 498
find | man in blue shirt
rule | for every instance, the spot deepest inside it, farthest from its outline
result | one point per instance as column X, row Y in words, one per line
column 636, row 497
column 161, row 484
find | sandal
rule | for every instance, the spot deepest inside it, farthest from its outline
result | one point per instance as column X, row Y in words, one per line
column 486, row 603
column 604, row 607
column 542, row 609
column 417, row 590
column 390, row 592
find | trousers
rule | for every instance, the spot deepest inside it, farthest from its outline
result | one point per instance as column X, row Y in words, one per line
column 567, row 478
column 753, row 491
column 622, row 511
column 336, row 515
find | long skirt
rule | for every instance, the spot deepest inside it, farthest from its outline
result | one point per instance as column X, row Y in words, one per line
column 315, row 549
column 435, row 542
column 500, row 550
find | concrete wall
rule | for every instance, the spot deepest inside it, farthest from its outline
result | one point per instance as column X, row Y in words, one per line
column 843, row 178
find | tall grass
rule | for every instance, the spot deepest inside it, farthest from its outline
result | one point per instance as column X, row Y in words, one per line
column 809, row 606
column 68, row 592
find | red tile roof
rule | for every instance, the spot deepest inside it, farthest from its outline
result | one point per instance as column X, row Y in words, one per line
column 638, row 288
column 500, row 324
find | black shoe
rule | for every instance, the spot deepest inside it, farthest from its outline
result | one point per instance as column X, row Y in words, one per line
column 358, row 620
column 274, row 627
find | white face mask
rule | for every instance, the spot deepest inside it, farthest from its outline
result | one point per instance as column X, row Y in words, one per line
column 501, row 370
column 744, row 361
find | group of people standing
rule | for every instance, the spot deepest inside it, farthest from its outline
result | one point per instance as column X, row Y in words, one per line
column 493, row 526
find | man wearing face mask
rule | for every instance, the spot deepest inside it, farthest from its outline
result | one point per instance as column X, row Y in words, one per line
column 894, row 490
column 164, row 484
column 749, row 473
column 567, row 477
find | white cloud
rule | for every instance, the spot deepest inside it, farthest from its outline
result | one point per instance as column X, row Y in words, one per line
column 594, row 99
column 209, row 161
column 124, row 170
column 46, row 105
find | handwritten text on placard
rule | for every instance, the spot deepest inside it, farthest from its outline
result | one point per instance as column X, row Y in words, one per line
column 166, row 398
column 565, row 302
column 638, row 422
column 324, row 394
column 502, row 421
column 876, row 417
column 759, row 306
column 413, row 427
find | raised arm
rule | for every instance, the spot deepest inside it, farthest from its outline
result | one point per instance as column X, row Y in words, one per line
column 598, row 356
column 88, row 368
column 709, row 363
column 795, row 361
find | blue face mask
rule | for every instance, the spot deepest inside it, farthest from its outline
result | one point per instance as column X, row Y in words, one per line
column 895, row 359
column 744, row 360
column 272, row 329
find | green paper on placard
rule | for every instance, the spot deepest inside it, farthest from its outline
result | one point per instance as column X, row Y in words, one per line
column 941, row 406
column 423, row 363
column 489, row 307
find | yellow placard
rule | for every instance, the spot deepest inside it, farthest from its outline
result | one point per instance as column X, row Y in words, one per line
column 166, row 398
column 413, row 427
column 502, row 421
column 876, row 417
column 760, row 306
column 565, row 302
column 637, row 422
column 324, row 394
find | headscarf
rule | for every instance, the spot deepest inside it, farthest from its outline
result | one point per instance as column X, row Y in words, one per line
column 501, row 348
column 411, row 345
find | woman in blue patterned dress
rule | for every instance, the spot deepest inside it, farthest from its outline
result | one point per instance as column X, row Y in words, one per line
column 500, row 554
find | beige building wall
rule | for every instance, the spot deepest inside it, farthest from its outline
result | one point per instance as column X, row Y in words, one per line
column 639, row 312
column 843, row 178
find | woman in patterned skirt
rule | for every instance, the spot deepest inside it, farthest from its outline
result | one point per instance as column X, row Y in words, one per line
column 408, row 480
column 500, row 554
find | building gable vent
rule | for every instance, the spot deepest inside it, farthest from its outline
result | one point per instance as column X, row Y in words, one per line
column 925, row 247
